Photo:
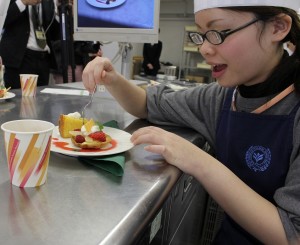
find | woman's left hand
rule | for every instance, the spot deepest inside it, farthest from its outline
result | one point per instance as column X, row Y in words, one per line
column 175, row 149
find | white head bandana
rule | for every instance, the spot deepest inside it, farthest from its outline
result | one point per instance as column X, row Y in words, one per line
column 206, row 4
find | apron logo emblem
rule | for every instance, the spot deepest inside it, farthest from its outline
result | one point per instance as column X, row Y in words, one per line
column 258, row 158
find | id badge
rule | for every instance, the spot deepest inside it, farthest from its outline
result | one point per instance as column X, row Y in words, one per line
column 40, row 34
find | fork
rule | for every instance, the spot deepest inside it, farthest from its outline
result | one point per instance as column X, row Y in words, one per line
column 89, row 102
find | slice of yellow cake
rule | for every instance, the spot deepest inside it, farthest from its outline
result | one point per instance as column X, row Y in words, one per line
column 67, row 123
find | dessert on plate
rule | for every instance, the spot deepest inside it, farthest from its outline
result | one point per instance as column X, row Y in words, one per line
column 3, row 91
column 84, row 133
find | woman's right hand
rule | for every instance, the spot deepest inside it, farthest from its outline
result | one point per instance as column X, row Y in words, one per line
column 130, row 96
column 98, row 71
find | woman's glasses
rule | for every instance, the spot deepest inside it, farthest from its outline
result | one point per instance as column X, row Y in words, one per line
column 216, row 37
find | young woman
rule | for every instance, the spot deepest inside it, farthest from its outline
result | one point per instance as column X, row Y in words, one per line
column 250, row 116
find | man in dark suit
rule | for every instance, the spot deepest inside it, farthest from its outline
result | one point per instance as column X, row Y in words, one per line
column 25, row 46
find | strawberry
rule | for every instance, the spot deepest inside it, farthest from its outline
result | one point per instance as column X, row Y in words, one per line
column 79, row 139
column 99, row 136
column 2, row 93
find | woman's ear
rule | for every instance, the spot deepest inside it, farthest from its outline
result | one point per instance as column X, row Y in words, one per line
column 281, row 27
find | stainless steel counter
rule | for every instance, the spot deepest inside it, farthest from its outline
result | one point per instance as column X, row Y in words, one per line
column 80, row 204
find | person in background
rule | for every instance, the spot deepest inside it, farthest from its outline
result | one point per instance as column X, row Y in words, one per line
column 250, row 117
column 25, row 46
column 84, row 52
column 151, row 55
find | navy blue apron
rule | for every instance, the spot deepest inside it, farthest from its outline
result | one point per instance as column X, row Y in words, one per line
column 257, row 149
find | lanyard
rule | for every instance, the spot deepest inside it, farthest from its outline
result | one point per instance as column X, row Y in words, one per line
column 36, row 15
column 269, row 103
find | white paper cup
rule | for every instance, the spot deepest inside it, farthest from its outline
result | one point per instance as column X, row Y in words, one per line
column 27, row 147
column 28, row 84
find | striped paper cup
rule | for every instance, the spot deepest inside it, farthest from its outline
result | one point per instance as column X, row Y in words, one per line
column 28, row 84
column 27, row 145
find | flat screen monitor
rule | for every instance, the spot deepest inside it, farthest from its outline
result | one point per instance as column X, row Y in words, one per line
column 3, row 10
column 135, row 21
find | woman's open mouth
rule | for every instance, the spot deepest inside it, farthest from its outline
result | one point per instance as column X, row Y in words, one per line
column 218, row 70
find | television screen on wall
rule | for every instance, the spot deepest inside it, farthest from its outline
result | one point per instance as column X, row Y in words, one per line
column 135, row 21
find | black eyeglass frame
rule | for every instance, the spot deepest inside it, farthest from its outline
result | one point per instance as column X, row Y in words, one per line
column 222, row 35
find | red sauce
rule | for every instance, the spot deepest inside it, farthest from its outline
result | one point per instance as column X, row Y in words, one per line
column 65, row 146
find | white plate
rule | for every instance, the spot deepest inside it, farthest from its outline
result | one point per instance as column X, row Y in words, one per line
column 8, row 95
column 102, row 3
column 121, row 142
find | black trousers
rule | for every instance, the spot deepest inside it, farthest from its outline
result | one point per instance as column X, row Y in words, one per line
column 34, row 62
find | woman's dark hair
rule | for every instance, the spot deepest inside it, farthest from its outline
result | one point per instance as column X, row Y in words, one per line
column 289, row 68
